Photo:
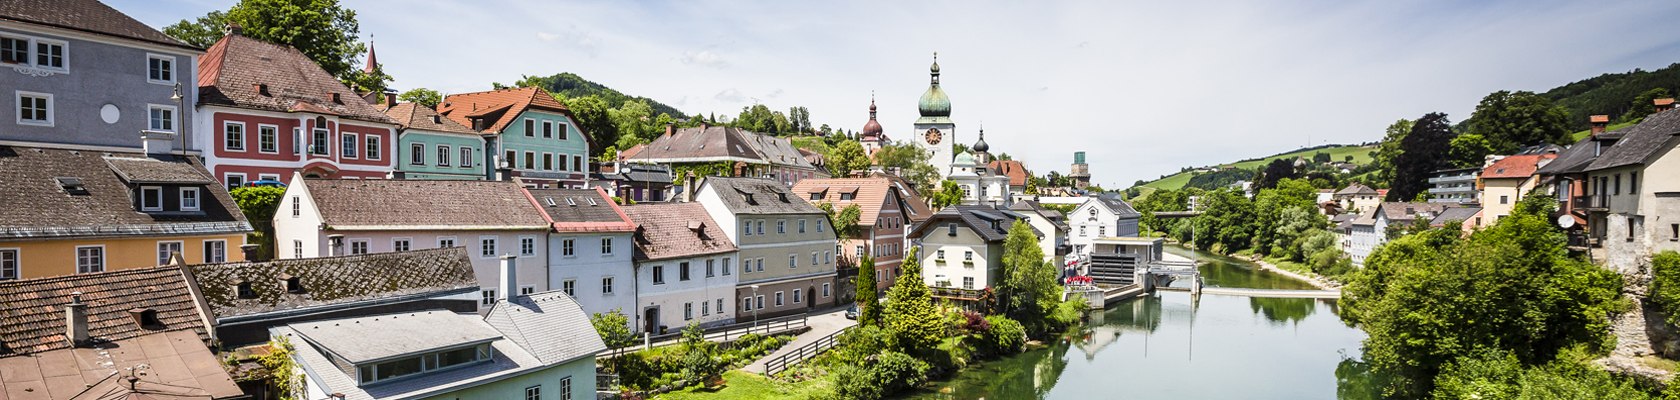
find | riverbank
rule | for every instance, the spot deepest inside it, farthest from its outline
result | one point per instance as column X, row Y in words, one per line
column 1306, row 277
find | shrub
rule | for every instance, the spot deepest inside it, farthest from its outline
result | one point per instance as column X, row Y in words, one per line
column 974, row 323
column 858, row 344
column 1067, row 313
column 885, row 374
column 1007, row 336
column 1665, row 284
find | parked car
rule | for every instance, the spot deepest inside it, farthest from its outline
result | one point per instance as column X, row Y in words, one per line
column 852, row 313
column 265, row 183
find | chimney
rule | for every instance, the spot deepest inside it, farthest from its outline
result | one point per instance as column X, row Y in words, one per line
column 670, row 128
column 335, row 99
column 76, row 320
column 250, row 251
column 335, row 243
column 1599, row 123
column 689, row 187
column 510, row 279
column 233, row 29
column 261, row 88
column 390, row 100
column 1663, row 104
column 705, row 125
column 157, row 143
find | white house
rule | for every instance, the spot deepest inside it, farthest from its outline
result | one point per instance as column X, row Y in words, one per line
column 962, row 250
column 1103, row 215
column 589, row 250
column 685, row 268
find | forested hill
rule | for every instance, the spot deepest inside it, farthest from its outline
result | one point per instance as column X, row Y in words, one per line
column 1615, row 94
column 571, row 85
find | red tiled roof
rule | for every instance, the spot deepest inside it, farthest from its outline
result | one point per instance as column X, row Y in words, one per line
column 1598, row 118
column 229, row 72
column 631, row 152
column 32, row 319
column 670, row 230
column 1016, row 171
column 580, row 210
column 1663, row 101
column 1515, row 167
column 502, row 107
column 869, row 194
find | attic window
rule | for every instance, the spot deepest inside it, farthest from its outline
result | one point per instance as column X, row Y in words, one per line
column 243, row 290
column 571, row 202
column 550, row 201
column 294, row 284
column 592, row 202
column 951, row 229
column 782, row 197
column 749, row 198
column 72, row 185
column 145, row 318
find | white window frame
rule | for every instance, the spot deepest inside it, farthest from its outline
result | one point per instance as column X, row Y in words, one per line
column 444, row 152
column 375, row 147
column 367, row 246
column 450, row 239
column 325, row 145
column 658, row 274
column 35, row 54
column 352, row 150
column 607, row 246
column 406, row 244
column 197, row 200
column 227, row 135
column 297, row 141
column 533, row 393
column 101, row 260
column 275, row 136
column 548, row 129
column 163, row 258
column 268, row 177
column 568, row 247
column 221, row 258
column 165, row 58
column 779, row 298
column 466, row 157
column 416, row 153
column 825, row 290
column 569, row 286
column 560, row 130
column 488, row 252
column 530, row 127
column 297, row 249
column 227, row 179
column 606, row 285
column 11, row 267
column 143, row 198
column 527, row 246
column 17, row 107
column 174, row 119
column 798, row 296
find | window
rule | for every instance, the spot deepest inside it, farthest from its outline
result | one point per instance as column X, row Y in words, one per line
column 90, row 259
column 828, row 257
column 562, row 129
column 801, row 226
column 606, row 285
column 1673, row 232
column 215, row 251
column 566, row 248
column 606, row 246
column 746, row 304
column 151, row 198
column 825, row 290
column 761, row 264
column 511, row 159
column 35, row 108
column 726, row 266
column 793, row 261
column 487, row 297
column 8, row 264
column 577, row 164
column 1618, row 187
column 548, row 161
column 297, row 249
column 951, row 230
column 49, row 54
column 968, row 282
column 848, row 195
column 268, row 138
column 373, row 148
column 443, row 155
column 720, row 305
column 747, row 229
column 297, row 207
column 860, row 252
column 233, row 133
column 968, row 256
column 165, row 250
column 319, row 146
column 759, row 302
column 527, row 246
column 781, row 226
column 348, row 148
column 160, row 69
column 446, row 242
column 533, row 393
column 566, row 388
column 387, row 370
column 297, row 140
column 466, row 157
column 814, row 259
column 705, row 308
column 1633, row 182
column 939, row 255
column 548, row 129
column 401, row 244
column 235, row 180
column 658, row 274
column 682, row 271
column 562, row 165
column 530, row 127
column 417, row 154
column 530, row 160
column 778, row 299
column 819, row 225
column 796, row 297
column 711, row 268
column 570, row 287
column 1102, row 230
column 14, row 50
column 487, row 247
column 761, row 227
column 1504, row 199
column 189, row 199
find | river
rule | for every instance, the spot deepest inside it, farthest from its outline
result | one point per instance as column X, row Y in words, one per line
column 1172, row 346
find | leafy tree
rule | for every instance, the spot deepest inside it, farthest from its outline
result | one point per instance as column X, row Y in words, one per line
column 799, row 119
column 845, row 221
column 1294, row 225
column 1028, row 291
column 1642, row 104
column 614, row 328
column 259, row 203
column 321, row 29
column 1321, row 157
column 594, row 117
column 1223, row 221
column 1276, row 170
column 910, row 314
column 568, row 85
column 949, row 194
column 868, row 300
column 1665, row 284
column 422, row 96
column 848, row 156
column 635, row 119
column 1388, row 151
column 1500, row 375
column 912, row 163
column 1420, row 156
column 1469, row 150
column 1511, row 120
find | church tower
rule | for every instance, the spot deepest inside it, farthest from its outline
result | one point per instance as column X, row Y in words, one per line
column 934, row 130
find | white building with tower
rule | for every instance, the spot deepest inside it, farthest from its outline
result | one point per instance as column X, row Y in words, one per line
column 934, row 129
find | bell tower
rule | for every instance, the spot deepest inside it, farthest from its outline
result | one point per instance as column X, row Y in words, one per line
column 934, row 130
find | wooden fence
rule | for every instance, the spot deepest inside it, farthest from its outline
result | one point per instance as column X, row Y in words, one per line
column 806, row 352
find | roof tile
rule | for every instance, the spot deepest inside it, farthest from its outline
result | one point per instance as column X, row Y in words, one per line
column 32, row 319
column 672, row 230
column 332, row 280
column 419, row 202
column 229, row 72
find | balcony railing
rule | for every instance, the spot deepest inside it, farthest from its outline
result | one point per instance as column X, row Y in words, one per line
column 956, row 293
column 1592, row 202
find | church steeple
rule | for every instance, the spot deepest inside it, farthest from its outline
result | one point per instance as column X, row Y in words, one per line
column 934, row 103
column 372, row 62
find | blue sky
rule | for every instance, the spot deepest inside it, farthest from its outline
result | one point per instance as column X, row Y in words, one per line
column 1143, row 87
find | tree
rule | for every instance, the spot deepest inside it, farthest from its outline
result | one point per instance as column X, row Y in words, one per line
column 634, row 119
column 1420, row 156
column 422, row 96
column 868, row 300
column 848, row 156
column 1511, row 120
column 321, row 29
column 949, row 194
column 1321, row 157
column 910, row 315
column 845, row 221
column 1388, row 151
column 912, row 163
column 799, row 120
column 1665, row 284
column 594, row 117
column 1028, row 291
column 1223, row 221
column 614, row 328
column 1276, row 170
column 1468, row 150
column 259, row 203
column 1642, row 104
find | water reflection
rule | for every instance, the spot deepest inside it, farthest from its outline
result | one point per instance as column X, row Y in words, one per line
column 1283, row 311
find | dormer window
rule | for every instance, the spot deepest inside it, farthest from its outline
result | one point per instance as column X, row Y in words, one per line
column 429, row 362
column 72, row 185
column 243, row 290
column 951, row 229
column 294, row 284
column 151, row 198
column 189, row 199
column 145, row 318
column 781, row 196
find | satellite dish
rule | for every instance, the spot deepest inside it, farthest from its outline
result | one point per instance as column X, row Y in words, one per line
column 1566, row 221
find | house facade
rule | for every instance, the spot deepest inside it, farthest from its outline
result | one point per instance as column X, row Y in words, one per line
column 788, row 242
column 962, row 250
column 69, row 211
column 883, row 218
column 686, row 269
column 590, row 249
column 1634, row 192
column 1017, row 173
column 331, row 217
column 1358, row 198
column 1506, row 181
column 1572, row 188
column 1103, row 215
column 535, row 137
column 85, row 74
column 1454, row 186
column 980, row 185
column 434, row 147
column 730, row 151
column 1053, row 227
column 267, row 110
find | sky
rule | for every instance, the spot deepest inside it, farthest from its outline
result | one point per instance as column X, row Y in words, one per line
column 1143, row 87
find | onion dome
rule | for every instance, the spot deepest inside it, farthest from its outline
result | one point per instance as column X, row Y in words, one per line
column 980, row 146
column 872, row 128
column 964, row 159
column 934, row 103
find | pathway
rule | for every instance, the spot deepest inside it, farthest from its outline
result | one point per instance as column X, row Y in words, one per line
column 821, row 325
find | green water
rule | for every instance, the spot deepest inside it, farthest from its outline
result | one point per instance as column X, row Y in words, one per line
column 1172, row 346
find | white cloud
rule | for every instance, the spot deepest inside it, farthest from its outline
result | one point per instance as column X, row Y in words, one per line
column 705, row 58
column 547, row 37
column 730, row 95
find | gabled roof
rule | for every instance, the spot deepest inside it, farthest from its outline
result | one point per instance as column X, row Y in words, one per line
column 176, row 365
column 229, row 72
column 919, row 209
column 869, row 194
column 37, row 205
column 1029, row 206
column 1460, row 214
column 32, row 316
column 1356, row 189
column 1015, row 170
column 89, row 16
column 1642, row 141
column 673, row 230
column 1573, row 159
column 415, row 116
column 777, row 150
column 581, row 210
column 1519, row 166
column 977, row 218
column 1402, row 211
column 641, row 172
column 699, row 144
column 330, row 282
column 1117, row 206
column 424, row 204
column 502, row 107
column 550, row 325
column 362, row 339
column 757, row 196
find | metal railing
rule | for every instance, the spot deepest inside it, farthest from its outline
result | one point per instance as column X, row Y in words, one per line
column 727, row 333
column 806, row 352
column 1592, row 201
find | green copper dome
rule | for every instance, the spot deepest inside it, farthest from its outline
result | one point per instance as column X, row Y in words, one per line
column 964, row 158
column 934, row 103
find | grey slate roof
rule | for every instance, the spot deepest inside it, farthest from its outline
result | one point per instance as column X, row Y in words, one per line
column 333, row 281
column 777, row 150
column 1657, row 132
column 424, row 203
column 36, row 205
column 1460, row 214
column 577, row 205
column 153, row 170
column 32, row 318
column 508, row 361
column 758, row 196
column 1118, row 206
column 1403, row 211
column 550, row 325
column 710, row 143
column 977, row 218
column 376, row 337
column 89, row 16
column 1356, row 189
column 1571, row 160
column 641, row 172
column 671, row 230
column 1030, row 206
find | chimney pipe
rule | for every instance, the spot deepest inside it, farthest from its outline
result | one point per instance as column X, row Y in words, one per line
column 390, row 100
column 335, row 244
column 690, row 185
column 1598, row 123
column 157, row 143
column 233, row 29
column 1663, row 104
column 670, row 128
column 510, row 279
column 76, row 320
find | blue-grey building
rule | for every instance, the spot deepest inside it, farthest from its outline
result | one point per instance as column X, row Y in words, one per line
column 82, row 73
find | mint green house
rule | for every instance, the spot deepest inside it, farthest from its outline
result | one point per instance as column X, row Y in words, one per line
column 533, row 136
column 433, row 147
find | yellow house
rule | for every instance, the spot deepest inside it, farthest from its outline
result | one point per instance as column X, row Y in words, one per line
column 1506, row 182
column 69, row 211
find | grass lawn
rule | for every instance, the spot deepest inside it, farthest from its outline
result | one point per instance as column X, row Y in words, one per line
column 1361, row 156
column 1291, row 266
column 742, row 385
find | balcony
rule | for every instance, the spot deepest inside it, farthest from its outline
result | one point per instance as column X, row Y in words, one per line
column 1454, row 178
column 956, row 293
column 1592, row 202
column 1453, row 189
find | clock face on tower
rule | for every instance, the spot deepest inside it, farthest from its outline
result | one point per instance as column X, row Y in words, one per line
column 933, row 136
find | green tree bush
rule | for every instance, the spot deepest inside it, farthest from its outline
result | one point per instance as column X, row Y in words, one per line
column 910, row 315
column 614, row 328
column 259, row 203
column 1006, row 336
column 1665, row 284
column 868, row 300
column 886, row 374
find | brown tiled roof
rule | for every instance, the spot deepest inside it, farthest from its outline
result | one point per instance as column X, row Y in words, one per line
column 758, row 196
column 502, row 107
column 977, row 218
column 37, row 206
column 626, row 154
column 1016, row 171
column 919, row 209
column 581, row 210
column 1599, row 118
column 1400, row 211
column 229, row 72
column 700, row 144
column 415, row 116
column 1515, row 167
column 672, row 230
column 1648, row 138
column 32, row 318
column 424, row 203
column 869, row 194
column 777, row 150
column 1355, row 189
column 89, row 16
column 329, row 281
column 178, row 366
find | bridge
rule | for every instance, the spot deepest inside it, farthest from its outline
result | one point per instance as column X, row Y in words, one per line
column 1264, row 293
